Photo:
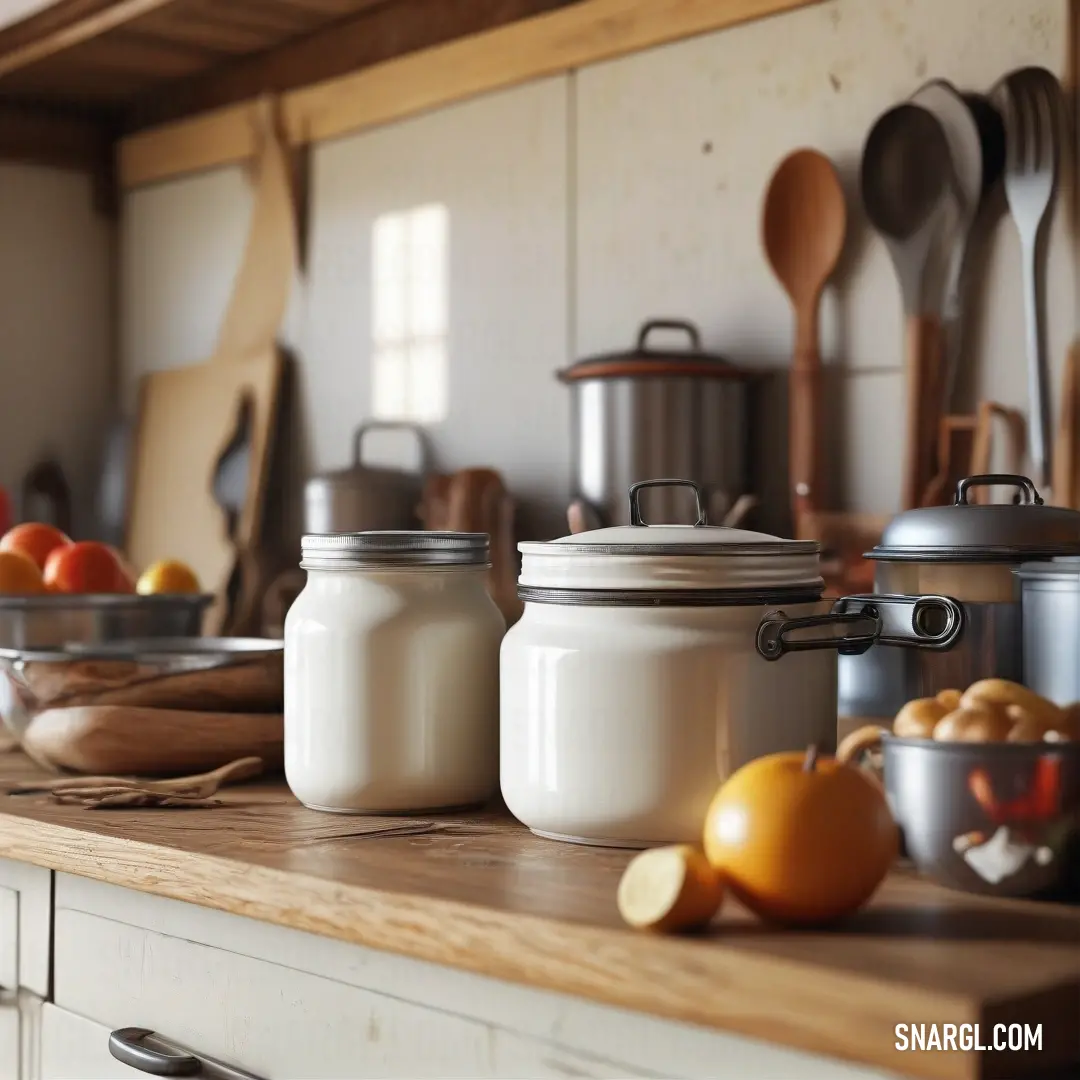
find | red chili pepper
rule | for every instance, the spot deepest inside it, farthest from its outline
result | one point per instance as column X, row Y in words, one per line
column 1041, row 802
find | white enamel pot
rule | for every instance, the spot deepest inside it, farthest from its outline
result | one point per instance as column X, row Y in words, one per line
column 652, row 661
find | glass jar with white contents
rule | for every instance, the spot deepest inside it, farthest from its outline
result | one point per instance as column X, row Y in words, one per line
column 392, row 673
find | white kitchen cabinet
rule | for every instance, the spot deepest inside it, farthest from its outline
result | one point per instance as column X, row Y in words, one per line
column 10, row 1045
column 25, row 927
column 74, row 1048
column 281, row 1003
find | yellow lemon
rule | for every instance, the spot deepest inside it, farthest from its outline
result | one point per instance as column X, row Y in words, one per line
column 169, row 576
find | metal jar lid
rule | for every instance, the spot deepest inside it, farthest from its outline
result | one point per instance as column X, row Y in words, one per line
column 970, row 532
column 392, row 549
column 1064, row 568
column 679, row 565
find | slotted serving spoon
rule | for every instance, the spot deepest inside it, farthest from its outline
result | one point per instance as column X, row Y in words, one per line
column 908, row 192
column 804, row 223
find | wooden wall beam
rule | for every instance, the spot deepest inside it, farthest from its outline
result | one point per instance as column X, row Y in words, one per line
column 580, row 33
column 377, row 34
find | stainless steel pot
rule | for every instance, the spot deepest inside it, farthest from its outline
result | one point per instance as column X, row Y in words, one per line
column 967, row 551
column 1050, row 600
column 653, row 412
column 365, row 497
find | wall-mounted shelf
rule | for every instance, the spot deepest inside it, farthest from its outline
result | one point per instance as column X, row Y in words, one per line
column 172, row 82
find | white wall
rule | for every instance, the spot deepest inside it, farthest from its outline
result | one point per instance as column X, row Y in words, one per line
column 581, row 205
column 56, row 329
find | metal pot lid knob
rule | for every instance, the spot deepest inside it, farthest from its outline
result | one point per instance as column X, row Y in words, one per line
column 635, row 499
column 1028, row 493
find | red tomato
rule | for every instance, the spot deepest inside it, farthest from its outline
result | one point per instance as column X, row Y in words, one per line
column 85, row 567
column 34, row 540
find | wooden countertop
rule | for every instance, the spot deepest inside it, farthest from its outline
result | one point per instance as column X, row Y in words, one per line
column 481, row 893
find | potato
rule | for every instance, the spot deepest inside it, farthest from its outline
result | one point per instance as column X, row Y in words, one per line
column 949, row 698
column 1002, row 693
column 1071, row 717
column 978, row 724
column 669, row 889
column 917, row 718
column 1029, row 728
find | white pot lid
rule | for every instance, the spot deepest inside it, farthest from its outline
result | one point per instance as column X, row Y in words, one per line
column 643, row 563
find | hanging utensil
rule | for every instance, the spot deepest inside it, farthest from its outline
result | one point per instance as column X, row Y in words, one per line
column 965, row 150
column 45, row 496
column 1031, row 104
column 956, row 445
column 907, row 188
column 982, row 454
column 803, row 228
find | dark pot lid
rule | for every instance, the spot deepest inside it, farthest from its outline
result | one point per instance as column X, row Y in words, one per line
column 997, row 532
column 644, row 361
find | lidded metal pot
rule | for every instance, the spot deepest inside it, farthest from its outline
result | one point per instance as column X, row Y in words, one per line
column 653, row 411
column 366, row 497
column 967, row 551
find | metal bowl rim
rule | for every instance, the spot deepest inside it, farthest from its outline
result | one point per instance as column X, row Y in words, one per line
column 150, row 649
column 102, row 600
column 977, row 748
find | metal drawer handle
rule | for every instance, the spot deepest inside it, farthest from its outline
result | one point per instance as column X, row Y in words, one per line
column 129, row 1045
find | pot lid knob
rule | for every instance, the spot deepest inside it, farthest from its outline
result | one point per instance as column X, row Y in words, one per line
column 635, row 504
column 1028, row 494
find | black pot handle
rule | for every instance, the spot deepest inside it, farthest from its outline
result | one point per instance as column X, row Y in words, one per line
column 915, row 622
column 773, row 639
column 669, row 324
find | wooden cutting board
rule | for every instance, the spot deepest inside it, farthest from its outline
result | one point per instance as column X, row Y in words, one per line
column 190, row 417
column 187, row 417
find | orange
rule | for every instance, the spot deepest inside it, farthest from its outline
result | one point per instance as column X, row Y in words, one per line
column 801, row 839
column 168, row 576
column 34, row 540
column 19, row 575
column 85, row 567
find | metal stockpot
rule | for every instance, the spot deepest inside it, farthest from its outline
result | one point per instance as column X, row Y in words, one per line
column 968, row 552
column 652, row 412
column 1050, row 599
column 364, row 497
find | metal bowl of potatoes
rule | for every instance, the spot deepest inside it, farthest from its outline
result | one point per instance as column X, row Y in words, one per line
column 985, row 787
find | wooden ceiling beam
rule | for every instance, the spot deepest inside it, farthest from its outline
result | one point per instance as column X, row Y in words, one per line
column 64, row 25
column 383, row 31
column 584, row 32
column 39, row 137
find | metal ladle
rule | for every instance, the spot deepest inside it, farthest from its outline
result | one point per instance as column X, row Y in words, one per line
column 907, row 189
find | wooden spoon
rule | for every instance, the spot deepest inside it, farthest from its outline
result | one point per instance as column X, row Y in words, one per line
column 803, row 229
